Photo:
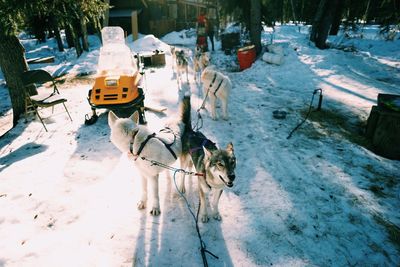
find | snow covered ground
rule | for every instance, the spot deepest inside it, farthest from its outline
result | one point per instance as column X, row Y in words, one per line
column 321, row 198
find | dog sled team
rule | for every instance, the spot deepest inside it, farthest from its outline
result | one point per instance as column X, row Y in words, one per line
column 152, row 152
column 216, row 86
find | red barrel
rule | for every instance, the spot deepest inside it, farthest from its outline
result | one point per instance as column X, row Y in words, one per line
column 246, row 56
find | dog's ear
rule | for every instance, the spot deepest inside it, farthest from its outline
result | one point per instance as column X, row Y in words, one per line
column 229, row 148
column 135, row 117
column 207, row 153
column 111, row 118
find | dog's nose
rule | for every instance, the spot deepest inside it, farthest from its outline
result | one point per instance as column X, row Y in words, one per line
column 231, row 177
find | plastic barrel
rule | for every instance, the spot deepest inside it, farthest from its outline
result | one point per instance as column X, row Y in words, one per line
column 246, row 56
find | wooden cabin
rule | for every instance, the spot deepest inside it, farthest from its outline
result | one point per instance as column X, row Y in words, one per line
column 157, row 17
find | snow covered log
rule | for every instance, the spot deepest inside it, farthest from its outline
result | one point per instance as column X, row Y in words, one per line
column 273, row 58
column 275, row 49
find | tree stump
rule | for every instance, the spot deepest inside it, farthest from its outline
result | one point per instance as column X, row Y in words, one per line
column 383, row 129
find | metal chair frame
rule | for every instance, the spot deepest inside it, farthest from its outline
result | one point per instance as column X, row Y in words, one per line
column 34, row 102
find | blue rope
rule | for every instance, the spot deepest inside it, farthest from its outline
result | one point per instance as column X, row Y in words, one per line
column 203, row 249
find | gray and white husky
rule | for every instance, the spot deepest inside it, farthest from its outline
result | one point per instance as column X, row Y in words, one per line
column 144, row 146
column 182, row 65
column 216, row 86
column 216, row 165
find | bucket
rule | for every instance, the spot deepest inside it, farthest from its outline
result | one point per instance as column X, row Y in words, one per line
column 273, row 58
column 246, row 56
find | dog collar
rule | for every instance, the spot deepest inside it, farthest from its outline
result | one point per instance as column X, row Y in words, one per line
column 205, row 180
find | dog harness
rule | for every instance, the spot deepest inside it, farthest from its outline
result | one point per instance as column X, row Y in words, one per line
column 197, row 140
column 212, row 83
column 153, row 135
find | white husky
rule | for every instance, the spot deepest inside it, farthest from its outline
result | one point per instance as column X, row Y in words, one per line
column 216, row 86
column 144, row 146
column 200, row 61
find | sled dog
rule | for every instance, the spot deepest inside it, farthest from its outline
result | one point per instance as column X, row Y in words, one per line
column 216, row 86
column 182, row 65
column 200, row 61
column 216, row 165
column 142, row 145
column 173, row 55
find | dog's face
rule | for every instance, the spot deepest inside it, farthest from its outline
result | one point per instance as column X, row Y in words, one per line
column 181, row 58
column 205, row 59
column 122, row 130
column 221, row 164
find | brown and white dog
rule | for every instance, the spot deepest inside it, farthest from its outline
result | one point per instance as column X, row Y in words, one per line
column 216, row 86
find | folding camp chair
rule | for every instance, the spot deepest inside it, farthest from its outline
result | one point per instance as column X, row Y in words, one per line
column 41, row 100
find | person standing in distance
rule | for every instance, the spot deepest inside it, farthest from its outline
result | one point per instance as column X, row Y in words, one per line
column 210, row 31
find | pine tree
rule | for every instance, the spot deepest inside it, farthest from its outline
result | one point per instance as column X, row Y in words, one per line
column 323, row 22
column 255, row 24
column 12, row 53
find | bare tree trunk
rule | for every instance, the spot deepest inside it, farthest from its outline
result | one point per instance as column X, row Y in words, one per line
column 293, row 12
column 337, row 18
column 323, row 22
column 13, row 63
column 68, row 35
column 217, row 24
column 75, row 40
column 83, row 25
column 255, row 24
column 55, row 27
column 59, row 39
column 317, row 20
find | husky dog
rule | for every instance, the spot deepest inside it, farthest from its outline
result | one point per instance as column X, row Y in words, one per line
column 216, row 165
column 173, row 55
column 144, row 146
column 200, row 61
column 181, row 66
column 216, row 86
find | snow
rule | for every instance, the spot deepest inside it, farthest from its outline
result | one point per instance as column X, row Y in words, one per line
column 68, row 196
column 184, row 37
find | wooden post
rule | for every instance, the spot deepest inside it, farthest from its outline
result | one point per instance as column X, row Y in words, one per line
column 134, row 22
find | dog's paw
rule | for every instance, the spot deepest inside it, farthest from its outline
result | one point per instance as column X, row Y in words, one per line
column 204, row 218
column 217, row 217
column 155, row 212
column 141, row 205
